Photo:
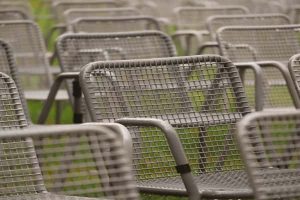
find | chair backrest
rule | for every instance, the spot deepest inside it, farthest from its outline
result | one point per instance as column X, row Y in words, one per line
column 24, row 7
column 194, row 18
column 60, row 7
column 72, row 14
column 213, row 23
column 27, row 43
column 13, row 14
column 269, row 142
column 77, row 50
column 114, row 24
column 8, row 66
column 257, row 43
column 201, row 96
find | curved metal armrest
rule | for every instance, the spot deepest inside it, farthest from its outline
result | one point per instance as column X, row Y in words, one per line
column 175, row 147
column 59, row 27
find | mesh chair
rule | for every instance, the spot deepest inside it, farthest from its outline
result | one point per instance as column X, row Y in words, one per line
column 72, row 14
column 215, row 22
column 26, row 42
column 114, row 24
column 77, row 50
column 12, row 14
column 202, row 106
column 269, row 142
column 190, row 22
column 269, row 47
column 70, row 157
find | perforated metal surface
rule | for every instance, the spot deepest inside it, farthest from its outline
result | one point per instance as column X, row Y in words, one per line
column 115, row 24
column 60, row 7
column 270, row 146
column 275, row 43
column 213, row 23
column 72, row 14
column 202, row 97
column 193, row 18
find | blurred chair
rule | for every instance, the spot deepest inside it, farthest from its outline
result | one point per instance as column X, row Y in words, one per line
column 72, row 14
column 23, row 7
column 77, row 50
column 13, row 14
column 200, row 107
column 269, row 142
column 215, row 22
column 265, row 52
column 190, row 21
column 36, row 75
column 114, row 24
column 64, row 159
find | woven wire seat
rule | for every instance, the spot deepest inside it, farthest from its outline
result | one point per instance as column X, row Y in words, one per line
column 72, row 14
column 269, row 142
column 269, row 47
column 114, row 24
column 190, row 22
column 64, row 159
column 203, row 107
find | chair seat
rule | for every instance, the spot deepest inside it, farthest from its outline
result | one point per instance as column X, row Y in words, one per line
column 45, row 196
column 41, row 95
column 212, row 185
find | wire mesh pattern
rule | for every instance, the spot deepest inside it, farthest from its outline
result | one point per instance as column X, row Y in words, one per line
column 8, row 66
column 72, row 14
column 276, row 43
column 202, row 97
column 213, row 23
column 270, row 146
column 26, row 42
column 115, row 24
column 193, row 18
column 60, row 7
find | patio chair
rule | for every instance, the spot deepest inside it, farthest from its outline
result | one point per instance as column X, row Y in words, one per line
column 114, row 24
column 13, row 14
column 36, row 76
column 201, row 108
column 265, row 52
column 72, row 14
column 190, row 22
column 23, row 6
column 269, row 142
column 215, row 22
column 64, row 159
column 77, row 50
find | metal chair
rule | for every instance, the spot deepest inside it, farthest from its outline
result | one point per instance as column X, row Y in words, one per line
column 190, row 22
column 72, row 14
column 269, row 142
column 215, row 22
column 90, row 160
column 13, row 14
column 77, row 50
column 36, row 76
column 264, row 51
column 114, row 24
column 201, row 107
column 24, row 7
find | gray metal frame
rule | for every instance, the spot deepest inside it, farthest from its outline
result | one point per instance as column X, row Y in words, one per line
column 114, row 24
column 265, row 51
column 191, row 24
column 77, row 50
column 269, row 143
column 200, row 99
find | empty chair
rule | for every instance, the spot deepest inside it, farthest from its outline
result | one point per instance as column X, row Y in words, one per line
column 77, row 50
column 63, row 159
column 190, row 22
column 202, row 106
column 114, row 24
column 72, row 14
column 269, row 47
column 269, row 142
column 215, row 22
column 28, row 48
